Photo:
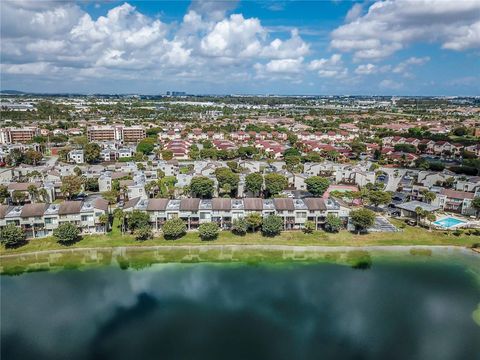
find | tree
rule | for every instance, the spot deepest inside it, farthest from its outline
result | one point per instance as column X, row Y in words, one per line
column 333, row 223
column 137, row 219
column 167, row 155
column 208, row 231
column 91, row 184
column 227, row 179
column 431, row 218
column 143, row 233
column 272, row 225
column 201, row 186
column 317, row 185
column 476, row 205
column 32, row 157
column 12, row 236
column 18, row 197
column 77, row 171
column 254, row 183
column 43, row 195
column 33, row 192
column 71, row 185
column 174, row 229
column 308, row 227
column 377, row 197
column 362, row 219
column 358, row 148
column 111, row 196
column 239, row 226
column 4, row 194
column 120, row 215
column 146, row 146
column 104, row 220
column 275, row 183
column 254, row 220
column 428, row 196
column 92, row 153
column 420, row 213
column 66, row 233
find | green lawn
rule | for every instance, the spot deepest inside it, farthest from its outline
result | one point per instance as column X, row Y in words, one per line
column 409, row 236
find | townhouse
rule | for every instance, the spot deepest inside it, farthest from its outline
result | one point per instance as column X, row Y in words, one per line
column 223, row 211
column 455, row 201
column 40, row 219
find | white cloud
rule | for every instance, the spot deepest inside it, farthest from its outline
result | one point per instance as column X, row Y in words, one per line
column 354, row 13
column 234, row 37
column 366, row 69
column 390, row 25
column 329, row 68
column 284, row 66
column 126, row 44
column 413, row 61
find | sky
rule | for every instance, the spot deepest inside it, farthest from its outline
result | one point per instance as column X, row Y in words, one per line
column 390, row 47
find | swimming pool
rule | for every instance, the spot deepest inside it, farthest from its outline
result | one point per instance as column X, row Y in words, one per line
column 449, row 222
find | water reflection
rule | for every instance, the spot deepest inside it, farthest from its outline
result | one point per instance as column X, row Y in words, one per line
column 240, row 312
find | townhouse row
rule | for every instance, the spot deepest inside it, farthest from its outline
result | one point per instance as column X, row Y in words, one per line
column 39, row 220
column 223, row 211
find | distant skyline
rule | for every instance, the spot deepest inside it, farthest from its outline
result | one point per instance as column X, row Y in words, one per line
column 410, row 47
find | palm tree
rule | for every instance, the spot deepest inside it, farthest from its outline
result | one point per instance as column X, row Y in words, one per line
column 428, row 196
column 124, row 192
column 104, row 220
column 43, row 194
column 33, row 192
column 431, row 218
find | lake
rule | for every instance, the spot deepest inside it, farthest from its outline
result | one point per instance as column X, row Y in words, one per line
column 418, row 309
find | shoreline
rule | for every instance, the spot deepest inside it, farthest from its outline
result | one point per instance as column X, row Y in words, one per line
column 138, row 257
column 266, row 247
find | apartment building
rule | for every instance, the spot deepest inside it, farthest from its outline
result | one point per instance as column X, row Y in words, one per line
column 18, row 135
column 39, row 220
column 127, row 134
column 223, row 211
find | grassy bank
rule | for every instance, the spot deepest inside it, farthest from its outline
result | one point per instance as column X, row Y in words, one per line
column 409, row 236
column 39, row 254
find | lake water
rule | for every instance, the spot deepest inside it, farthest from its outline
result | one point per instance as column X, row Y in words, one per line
column 420, row 310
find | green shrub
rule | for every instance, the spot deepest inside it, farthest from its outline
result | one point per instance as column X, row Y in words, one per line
column 272, row 225
column 174, row 229
column 308, row 227
column 239, row 226
column 208, row 231
column 143, row 233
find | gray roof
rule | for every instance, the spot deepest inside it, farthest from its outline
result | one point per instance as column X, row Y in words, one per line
column 157, row 204
column 284, row 204
column 4, row 210
column 131, row 203
column 412, row 205
column 222, row 204
column 32, row 210
column 315, row 204
column 191, row 204
column 253, row 204
column 70, row 207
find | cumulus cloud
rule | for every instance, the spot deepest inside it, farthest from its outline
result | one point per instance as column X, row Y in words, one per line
column 354, row 13
column 366, row 69
column 329, row 67
column 390, row 26
column 58, row 38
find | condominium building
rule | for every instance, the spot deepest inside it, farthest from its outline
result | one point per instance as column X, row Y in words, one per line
column 223, row 211
column 39, row 220
column 127, row 134
column 18, row 135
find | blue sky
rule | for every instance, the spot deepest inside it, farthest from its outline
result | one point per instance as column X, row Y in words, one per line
column 412, row 47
